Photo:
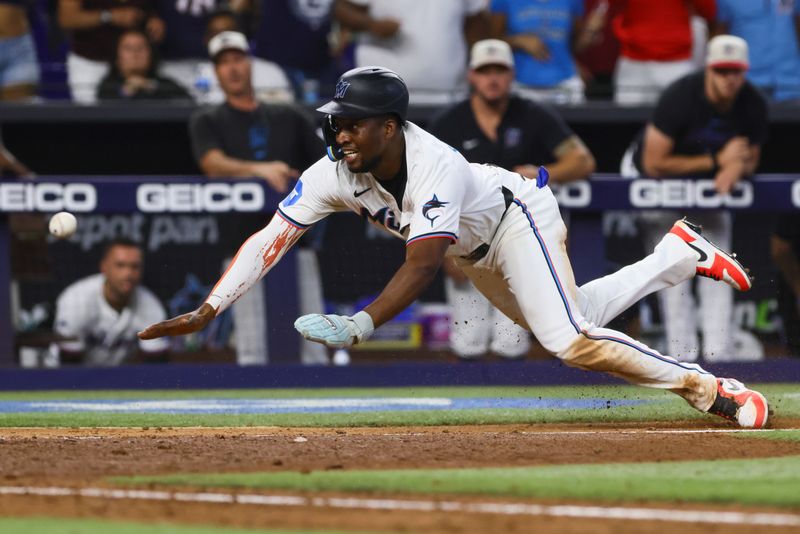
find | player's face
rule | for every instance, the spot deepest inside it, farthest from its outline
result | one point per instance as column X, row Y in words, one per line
column 122, row 268
column 133, row 54
column 725, row 83
column 363, row 141
column 233, row 72
column 492, row 83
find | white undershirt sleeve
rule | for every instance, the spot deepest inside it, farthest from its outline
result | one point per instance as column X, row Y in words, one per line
column 255, row 258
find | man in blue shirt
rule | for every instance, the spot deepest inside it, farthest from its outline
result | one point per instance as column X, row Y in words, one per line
column 541, row 34
column 769, row 27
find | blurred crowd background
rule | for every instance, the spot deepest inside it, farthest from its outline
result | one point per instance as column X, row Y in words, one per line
column 495, row 78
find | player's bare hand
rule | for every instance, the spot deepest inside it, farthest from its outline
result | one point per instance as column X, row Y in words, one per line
column 126, row 17
column 728, row 175
column 384, row 28
column 276, row 173
column 533, row 45
column 182, row 324
column 736, row 149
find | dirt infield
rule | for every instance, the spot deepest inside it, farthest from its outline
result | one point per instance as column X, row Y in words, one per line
column 80, row 458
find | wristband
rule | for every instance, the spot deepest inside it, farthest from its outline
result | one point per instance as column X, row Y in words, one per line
column 105, row 16
column 364, row 323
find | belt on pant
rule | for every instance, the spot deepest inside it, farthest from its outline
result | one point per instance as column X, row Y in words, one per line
column 481, row 251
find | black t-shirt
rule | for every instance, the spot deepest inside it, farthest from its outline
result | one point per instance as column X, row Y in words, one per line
column 269, row 133
column 528, row 133
column 162, row 88
column 685, row 115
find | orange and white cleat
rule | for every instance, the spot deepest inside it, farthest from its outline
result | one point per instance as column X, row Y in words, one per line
column 736, row 403
column 713, row 262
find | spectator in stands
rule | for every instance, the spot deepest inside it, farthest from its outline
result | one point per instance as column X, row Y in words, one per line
column 94, row 27
column 708, row 124
column 190, row 26
column 11, row 166
column 295, row 35
column 244, row 138
column 133, row 73
column 785, row 245
column 98, row 316
column 656, row 41
column 494, row 126
column 19, row 68
column 425, row 42
column 770, row 29
column 544, row 35
column 597, row 54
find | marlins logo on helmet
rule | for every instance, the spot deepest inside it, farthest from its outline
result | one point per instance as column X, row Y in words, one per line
column 341, row 89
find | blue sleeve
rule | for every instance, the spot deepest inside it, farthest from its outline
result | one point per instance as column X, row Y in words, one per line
column 577, row 8
column 499, row 6
column 724, row 11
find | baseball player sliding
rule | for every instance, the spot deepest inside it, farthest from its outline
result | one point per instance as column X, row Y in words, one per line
column 504, row 231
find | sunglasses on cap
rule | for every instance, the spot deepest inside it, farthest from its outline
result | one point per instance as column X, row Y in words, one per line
column 727, row 71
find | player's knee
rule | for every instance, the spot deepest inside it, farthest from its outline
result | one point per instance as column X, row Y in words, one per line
column 560, row 346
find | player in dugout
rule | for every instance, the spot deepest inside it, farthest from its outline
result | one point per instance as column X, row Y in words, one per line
column 503, row 230
column 98, row 316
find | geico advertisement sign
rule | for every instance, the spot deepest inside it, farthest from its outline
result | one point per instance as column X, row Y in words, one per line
column 212, row 197
column 49, row 196
column 676, row 193
column 573, row 194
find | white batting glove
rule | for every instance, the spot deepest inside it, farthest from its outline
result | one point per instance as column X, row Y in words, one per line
column 335, row 331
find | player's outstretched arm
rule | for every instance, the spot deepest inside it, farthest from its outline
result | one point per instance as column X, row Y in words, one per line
column 255, row 258
column 182, row 324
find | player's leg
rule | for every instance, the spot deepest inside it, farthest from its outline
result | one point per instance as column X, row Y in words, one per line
column 676, row 303
column 530, row 252
column 679, row 254
column 469, row 319
column 671, row 262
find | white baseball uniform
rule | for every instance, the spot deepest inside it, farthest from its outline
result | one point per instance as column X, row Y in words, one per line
column 508, row 237
column 105, row 336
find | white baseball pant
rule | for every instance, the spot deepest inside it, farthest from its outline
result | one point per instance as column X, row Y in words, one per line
column 527, row 275
column 679, row 312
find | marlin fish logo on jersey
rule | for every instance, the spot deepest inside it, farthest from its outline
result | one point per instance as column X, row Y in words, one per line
column 429, row 206
column 341, row 89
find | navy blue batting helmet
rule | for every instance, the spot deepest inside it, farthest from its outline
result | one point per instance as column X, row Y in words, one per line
column 368, row 92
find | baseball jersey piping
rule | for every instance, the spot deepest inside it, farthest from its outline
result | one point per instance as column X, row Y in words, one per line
column 291, row 221
column 453, row 237
column 575, row 325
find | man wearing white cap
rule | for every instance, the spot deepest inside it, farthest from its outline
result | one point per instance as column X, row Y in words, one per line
column 495, row 126
column 709, row 124
column 246, row 138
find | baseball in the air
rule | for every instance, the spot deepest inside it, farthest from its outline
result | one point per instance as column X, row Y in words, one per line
column 63, row 224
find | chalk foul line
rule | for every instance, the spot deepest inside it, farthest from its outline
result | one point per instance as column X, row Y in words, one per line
column 572, row 511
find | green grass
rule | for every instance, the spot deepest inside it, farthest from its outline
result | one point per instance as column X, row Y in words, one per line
column 666, row 406
column 41, row 525
column 768, row 481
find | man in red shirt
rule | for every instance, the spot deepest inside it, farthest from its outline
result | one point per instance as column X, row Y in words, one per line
column 656, row 45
